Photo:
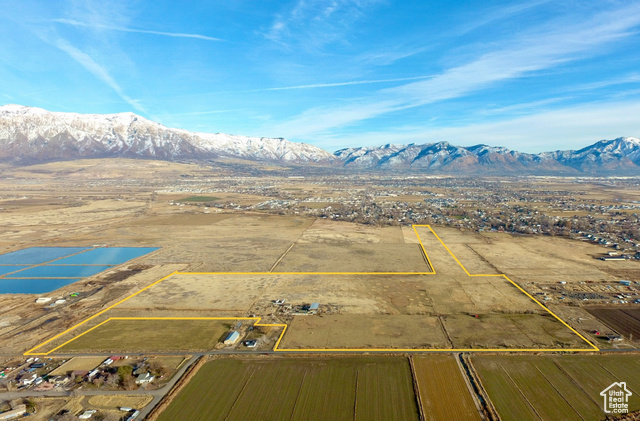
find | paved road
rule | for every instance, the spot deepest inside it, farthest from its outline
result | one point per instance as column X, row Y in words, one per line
column 160, row 393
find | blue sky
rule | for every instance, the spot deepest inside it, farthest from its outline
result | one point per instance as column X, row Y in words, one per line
column 530, row 75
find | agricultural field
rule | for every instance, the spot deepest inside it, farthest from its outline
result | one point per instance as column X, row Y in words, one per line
column 199, row 199
column 443, row 391
column 447, row 309
column 545, row 259
column 151, row 335
column 78, row 363
column 225, row 293
column 322, row 388
column 555, row 387
column 515, row 331
column 624, row 320
column 364, row 332
column 113, row 402
column 324, row 245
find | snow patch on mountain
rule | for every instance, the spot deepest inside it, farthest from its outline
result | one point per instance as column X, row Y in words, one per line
column 28, row 133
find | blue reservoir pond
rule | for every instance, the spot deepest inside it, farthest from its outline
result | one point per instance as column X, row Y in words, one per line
column 106, row 256
column 38, row 270
column 8, row 269
column 49, row 271
column 33, row 286
column 38, row 255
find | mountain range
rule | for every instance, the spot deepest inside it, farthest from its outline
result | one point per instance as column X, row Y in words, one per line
column 30, row 135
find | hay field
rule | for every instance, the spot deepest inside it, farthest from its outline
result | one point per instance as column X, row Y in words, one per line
column 443, row 391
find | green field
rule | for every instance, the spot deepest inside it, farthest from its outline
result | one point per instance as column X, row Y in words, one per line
column 151, row 335
column 555, row 387
column 338, row 388
column 199, row 199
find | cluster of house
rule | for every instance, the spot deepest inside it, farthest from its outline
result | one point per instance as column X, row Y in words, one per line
column 29, row 377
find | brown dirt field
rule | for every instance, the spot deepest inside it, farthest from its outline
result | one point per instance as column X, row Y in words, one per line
column 202, row 292
column 461, row 243
column 360, row 331
column 624, row 320
column 171, row 362
column 586, row 324
column 353, row 257
column 443, row 262
column 332, row 232
column 47, row 408
column 331, row 246
column 212, row 242
column 525, row 331
column 365, row 294
column 464, row 294
column 443, row 391
column 544, row 259
column 83, row 212
column 117, row 401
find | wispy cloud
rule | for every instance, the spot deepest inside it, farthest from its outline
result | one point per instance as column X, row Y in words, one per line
column 389, row 56
column 499, row 13
column 523, row 107
column 141, row 31
column 354, row 82
column 313, row 23
column 630, row 78
column 525, row 55
column 97, row 70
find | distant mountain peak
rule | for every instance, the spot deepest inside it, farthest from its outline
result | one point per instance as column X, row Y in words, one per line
column 29, row 134
column 615, row 156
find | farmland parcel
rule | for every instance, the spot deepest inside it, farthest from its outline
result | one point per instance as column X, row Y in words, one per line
column 443, row 391
column 555, row 387
column 338, row 388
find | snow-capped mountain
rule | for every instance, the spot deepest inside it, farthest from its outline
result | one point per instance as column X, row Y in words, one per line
column 32, row 134
column 444, row 156
column 29, row 135
column 614, row 155
column 621, row 155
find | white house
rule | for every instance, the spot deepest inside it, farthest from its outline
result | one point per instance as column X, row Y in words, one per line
column 144, row 378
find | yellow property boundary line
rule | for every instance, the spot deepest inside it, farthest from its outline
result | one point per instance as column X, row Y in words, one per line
column 275, row 348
